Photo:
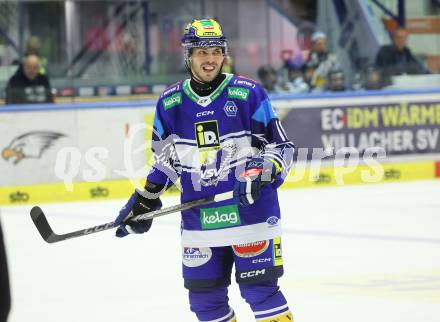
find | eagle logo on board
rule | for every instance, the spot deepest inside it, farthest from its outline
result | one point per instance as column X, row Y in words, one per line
column 30, row 145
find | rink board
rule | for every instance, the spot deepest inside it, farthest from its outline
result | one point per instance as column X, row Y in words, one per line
column 89, row 151
column 298, row 178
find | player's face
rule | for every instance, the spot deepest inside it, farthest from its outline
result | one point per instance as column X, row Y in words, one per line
column 206, row 63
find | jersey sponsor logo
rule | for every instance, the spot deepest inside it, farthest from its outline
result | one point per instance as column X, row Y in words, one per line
column 204, row 113
column 173, row 100
column 221, row 217
column 230, row 109
column 207, row 134
column 170, row 90
column 244, row 82
column 253, row 273
column 193, row 257
column 272, row 221
column 251, row 249
column 277, row 252
column 238, row 92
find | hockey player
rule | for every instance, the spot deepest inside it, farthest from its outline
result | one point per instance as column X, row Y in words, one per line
column 218, row 132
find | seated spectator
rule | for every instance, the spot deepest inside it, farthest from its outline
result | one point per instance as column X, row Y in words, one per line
column 28, row 85
column 373, row 79
column 336, row 81
column 324, row 60
column 268, row 78
column 33, row 47
column 397, row 58
column 295, row 81
column 308, row 73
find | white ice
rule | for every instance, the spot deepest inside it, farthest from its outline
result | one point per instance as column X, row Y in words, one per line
column 353, row 253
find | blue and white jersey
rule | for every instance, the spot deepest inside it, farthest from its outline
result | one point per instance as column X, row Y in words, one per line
column 206, row 142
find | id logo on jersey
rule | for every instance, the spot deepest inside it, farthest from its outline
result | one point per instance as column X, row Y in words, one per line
column 207, row 134
column 277, row 252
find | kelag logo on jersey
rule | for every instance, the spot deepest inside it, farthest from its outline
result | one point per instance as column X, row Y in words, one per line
column 173, row 100
column 207, row 134
column 221, row 217
column 238, row 92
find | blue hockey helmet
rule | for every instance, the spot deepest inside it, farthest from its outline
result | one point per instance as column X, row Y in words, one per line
column 203, row 33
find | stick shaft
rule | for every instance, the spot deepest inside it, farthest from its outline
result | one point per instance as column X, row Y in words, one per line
column 46, row 232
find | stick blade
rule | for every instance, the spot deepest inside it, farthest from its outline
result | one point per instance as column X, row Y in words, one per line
column 42, row 225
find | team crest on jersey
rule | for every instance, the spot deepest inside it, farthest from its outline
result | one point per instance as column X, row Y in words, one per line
column 230, row 109
column 210, row 175
column 207, row 134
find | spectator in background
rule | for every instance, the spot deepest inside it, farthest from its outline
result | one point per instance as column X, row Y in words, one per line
column 33, row 47
column 397, row 58
column 228, row 66
column 291, row 76
column 268, row 78
column 324, row 60
column 295, row 79
column 336, row 81
column 309, row 72
column 373, row 79
column 28, row 85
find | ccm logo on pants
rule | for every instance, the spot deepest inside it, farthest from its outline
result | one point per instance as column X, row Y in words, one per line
column 254, row 273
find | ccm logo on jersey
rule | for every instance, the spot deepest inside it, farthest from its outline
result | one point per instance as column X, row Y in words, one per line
column 254, row 273
column 207, row 134
column 261, row 260
column 205, row 113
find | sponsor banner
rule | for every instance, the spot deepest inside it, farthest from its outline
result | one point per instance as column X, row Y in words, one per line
column 73, row 145
column 401, row 126
column 57, row 192
column 29, row 143
column 301, row 177
column 298, row 178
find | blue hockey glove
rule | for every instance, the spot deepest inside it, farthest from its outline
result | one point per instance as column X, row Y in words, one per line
column 136, row 205
column 258, row 173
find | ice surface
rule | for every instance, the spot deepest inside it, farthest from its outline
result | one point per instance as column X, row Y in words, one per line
column 353, row 253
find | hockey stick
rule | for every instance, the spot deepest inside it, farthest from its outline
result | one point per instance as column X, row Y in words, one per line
column 40, row 221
